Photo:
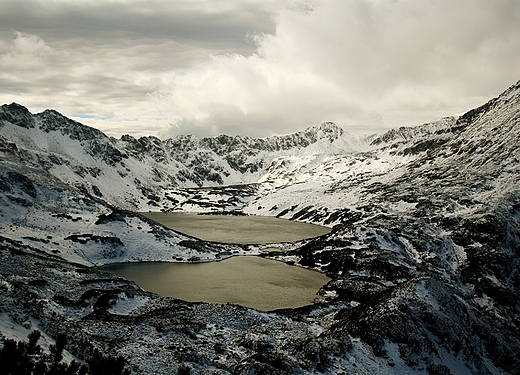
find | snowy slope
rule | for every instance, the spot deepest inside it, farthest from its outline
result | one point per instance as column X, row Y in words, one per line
column 134, row 173
column 45, row 214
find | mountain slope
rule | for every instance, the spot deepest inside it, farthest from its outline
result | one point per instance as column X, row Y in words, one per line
column 432, row 248
column 143, row 169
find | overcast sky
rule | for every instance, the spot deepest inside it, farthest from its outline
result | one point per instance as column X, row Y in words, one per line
column 256, row 67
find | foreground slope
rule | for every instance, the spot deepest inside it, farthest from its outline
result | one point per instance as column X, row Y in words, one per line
column 424, row 253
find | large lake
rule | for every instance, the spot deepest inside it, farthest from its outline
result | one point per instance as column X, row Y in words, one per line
column 237, row 229
column 249, row 281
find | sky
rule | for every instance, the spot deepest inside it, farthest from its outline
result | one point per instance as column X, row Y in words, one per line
column 256, row 67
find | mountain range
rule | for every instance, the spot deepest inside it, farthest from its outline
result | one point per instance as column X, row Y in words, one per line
column 423, row 254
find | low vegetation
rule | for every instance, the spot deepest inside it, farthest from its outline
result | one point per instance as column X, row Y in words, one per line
column 29, row 358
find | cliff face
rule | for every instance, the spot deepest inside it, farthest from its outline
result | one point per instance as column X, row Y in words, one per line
column 424, row 253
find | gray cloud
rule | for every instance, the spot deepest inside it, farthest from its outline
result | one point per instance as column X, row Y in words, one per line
column 102, row 58
column 108, row 22
column 368, row 65
column 256, row 67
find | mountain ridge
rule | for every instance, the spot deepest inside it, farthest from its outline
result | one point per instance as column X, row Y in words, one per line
column 183, row 161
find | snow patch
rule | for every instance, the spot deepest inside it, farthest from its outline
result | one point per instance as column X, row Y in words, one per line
column 126, row 305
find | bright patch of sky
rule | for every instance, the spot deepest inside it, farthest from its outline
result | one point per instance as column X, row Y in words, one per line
column 256, row 67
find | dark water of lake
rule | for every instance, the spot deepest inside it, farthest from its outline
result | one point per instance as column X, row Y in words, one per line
column 237, row 229
column 249, row 281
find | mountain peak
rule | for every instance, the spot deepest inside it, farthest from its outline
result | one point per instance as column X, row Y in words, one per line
column 329, row 130
column 17, row 114
column 52, row 120
column 326, row 130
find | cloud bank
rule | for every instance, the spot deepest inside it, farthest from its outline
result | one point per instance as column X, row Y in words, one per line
column 363, row 64
column 257, row 68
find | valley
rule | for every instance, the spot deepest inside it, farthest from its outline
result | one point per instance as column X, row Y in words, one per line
column 422, row 255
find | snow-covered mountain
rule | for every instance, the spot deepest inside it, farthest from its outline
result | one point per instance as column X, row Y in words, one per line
column 424, row 253
column 142, row 170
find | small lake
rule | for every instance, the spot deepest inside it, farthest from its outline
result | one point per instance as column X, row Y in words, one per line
column 250, row 281
column 231, row 229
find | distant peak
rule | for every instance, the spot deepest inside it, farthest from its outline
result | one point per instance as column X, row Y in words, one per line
column 330, row 127
column 326, row 130
column 52, row 120
column 17, row 114
column 14, row 107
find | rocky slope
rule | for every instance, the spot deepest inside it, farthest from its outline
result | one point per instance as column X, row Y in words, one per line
column 424, row 252
column 142, row 169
